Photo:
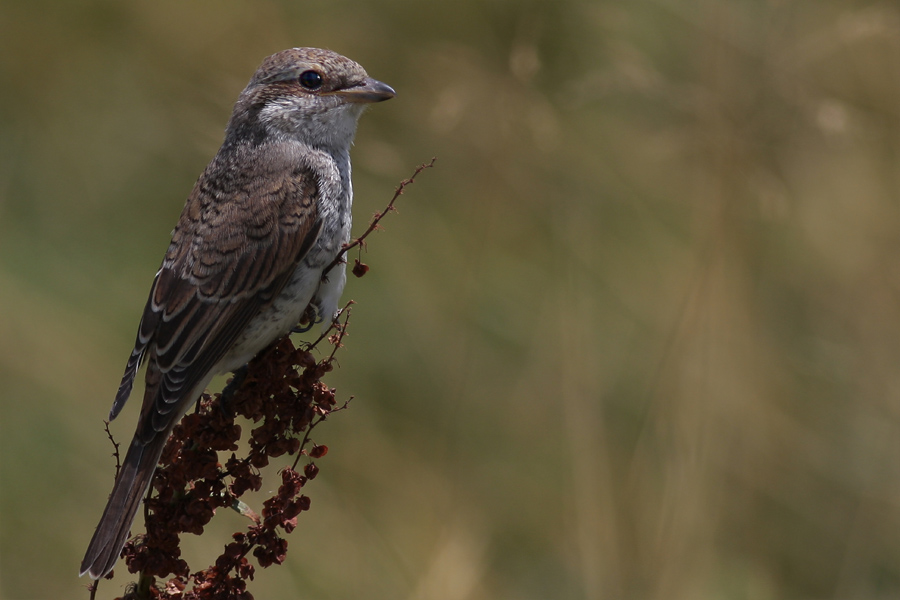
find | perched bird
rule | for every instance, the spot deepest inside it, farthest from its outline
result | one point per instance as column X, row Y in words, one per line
column 266, row 217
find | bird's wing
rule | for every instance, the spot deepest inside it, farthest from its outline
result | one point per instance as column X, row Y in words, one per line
column 230, row 256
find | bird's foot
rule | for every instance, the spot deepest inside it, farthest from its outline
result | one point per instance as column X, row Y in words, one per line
column 308, row 320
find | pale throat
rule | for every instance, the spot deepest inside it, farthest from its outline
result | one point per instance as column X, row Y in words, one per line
column 329, row 128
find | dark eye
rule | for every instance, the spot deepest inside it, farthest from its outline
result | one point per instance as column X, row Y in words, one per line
column 310, row 80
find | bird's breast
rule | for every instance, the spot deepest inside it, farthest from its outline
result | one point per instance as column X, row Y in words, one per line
column 306, row 285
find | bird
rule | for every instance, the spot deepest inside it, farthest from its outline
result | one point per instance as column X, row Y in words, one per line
column 265, row 219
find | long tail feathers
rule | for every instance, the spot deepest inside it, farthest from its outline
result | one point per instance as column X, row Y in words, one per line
column 130, row 487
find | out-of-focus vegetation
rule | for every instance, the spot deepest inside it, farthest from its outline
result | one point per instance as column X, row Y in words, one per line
column 636, row 336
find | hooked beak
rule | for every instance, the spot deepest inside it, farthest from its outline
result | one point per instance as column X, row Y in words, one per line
column 371, row 90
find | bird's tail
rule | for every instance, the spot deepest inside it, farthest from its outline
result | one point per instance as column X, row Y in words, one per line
column 131, row 485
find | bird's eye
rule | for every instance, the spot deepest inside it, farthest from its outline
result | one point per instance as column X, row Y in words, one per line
column 311, row 80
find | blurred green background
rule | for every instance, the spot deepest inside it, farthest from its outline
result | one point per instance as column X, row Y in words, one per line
column 636, row 336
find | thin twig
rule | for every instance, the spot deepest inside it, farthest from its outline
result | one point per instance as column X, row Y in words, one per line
column 341, row 329
column 360, row 241
column 331, row 327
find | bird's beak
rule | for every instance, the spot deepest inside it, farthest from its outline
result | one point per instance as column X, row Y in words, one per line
column 371, row 90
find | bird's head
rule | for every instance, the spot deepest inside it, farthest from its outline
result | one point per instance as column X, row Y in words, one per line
column 310, row 94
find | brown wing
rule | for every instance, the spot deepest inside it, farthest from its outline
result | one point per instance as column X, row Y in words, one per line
column 231, row 254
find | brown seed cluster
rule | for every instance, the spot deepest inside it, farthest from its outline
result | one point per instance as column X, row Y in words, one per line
column 283, row 398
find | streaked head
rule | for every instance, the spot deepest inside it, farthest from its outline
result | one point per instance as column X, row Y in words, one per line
column 313, row 94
